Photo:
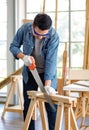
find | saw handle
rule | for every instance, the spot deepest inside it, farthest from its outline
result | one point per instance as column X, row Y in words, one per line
column 33, row 65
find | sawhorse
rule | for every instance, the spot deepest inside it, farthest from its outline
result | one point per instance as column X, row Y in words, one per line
column 64, row 106
column 15, row 81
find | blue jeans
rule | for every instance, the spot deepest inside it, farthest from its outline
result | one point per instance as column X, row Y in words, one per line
column 32, row 85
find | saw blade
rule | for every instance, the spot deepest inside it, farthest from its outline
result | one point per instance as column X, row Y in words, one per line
column 41, row 86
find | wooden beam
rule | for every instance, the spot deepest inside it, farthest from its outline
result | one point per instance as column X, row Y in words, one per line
column 55, row 98
column 64, row 64
column 44, row 2
column 56, row 14
column 7, row 80
column 27, row 20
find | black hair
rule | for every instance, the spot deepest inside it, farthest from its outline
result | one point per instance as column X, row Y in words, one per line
column 43, row 21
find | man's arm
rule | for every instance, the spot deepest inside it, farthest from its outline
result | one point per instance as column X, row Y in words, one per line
column 47, row 82
column 20, row 55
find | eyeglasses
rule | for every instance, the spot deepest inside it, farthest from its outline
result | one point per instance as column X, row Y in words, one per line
column 44, row 35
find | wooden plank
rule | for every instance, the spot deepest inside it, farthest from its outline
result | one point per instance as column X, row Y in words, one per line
column 7, row 80
column 27, row 20
column 78, row 74
column 82, row 83
column 14, row 109
column 56, row 13
column 75, row 88
column 29, row 114
column 60, row 84
column 86, row 45
column 43, row 115
column 64, row 64
column 73, row 120
column 44, row 2
column 60, row 111
column 67, row 116
column 55, row 98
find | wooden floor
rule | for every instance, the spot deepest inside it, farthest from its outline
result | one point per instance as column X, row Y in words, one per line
column 14, row 121
column 11, row 121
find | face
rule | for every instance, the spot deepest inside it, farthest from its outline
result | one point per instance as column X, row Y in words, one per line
column 40, row 34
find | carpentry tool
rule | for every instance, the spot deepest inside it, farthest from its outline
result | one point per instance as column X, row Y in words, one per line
column 36, row 76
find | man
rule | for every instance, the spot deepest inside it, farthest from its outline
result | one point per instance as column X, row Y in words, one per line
column 40, row 44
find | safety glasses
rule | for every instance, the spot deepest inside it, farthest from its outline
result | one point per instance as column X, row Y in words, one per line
column 44, row 35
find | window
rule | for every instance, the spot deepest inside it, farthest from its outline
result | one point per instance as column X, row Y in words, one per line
column 70, row 27
column 3, row 41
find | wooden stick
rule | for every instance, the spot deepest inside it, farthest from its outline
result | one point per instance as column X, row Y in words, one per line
column 29, row 114
column 7, row 80
column 56, row 14
column 27, row 20
column 60, row 111
column 44, row 2
column 62, row 81
column 64, row 64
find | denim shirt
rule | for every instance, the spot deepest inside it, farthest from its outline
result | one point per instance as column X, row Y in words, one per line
column 24, row 38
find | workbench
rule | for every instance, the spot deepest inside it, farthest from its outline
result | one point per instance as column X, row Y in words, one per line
column 82, row 107
column 64, row 104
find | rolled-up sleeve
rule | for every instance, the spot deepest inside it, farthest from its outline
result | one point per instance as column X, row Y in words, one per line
column 17, row 42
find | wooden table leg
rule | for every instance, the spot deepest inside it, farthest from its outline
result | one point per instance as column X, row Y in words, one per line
column 43, row 115
column 59, row 117
column 29, row 114
column 67, row 117
column 73, row 120
column 83, row 110
column 8, row 99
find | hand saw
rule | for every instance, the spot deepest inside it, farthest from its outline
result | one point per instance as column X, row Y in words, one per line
column 36, row 76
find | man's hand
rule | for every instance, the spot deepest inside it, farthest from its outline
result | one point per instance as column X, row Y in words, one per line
column 50, row 90
column 28, row 60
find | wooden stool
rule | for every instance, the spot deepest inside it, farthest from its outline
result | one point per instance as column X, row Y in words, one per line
column 64, row 105
column 15, row 82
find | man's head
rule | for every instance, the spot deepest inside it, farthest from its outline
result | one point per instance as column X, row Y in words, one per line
column 43, row 21
column 41, row 25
